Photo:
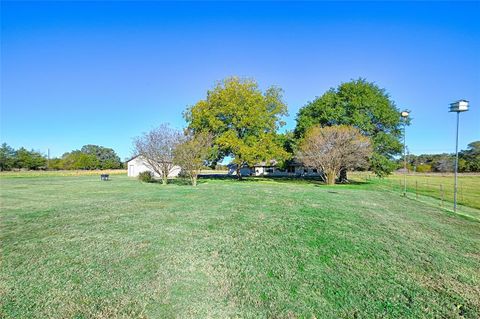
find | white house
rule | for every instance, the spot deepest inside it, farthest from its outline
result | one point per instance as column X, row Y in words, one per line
column 293, row 168
column 244, row 171
column 138, row 164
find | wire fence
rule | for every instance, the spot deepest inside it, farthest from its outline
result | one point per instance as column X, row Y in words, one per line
column 436, row 186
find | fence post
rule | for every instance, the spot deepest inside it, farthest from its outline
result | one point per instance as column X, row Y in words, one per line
column 441, row 193
column 416, row 189
column 461, row 192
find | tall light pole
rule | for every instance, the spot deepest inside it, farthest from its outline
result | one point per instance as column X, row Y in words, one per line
column 404, row 114
column 459, row 106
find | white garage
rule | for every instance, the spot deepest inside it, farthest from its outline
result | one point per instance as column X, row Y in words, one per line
column 138, row 164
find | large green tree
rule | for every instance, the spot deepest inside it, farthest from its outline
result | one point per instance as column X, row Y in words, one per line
column 79, row 160
column 242, row 119
column 89, row 157
column 364, row 105
column 7, row 157
column 107, row 158
column 471, row 158
column 29, row 159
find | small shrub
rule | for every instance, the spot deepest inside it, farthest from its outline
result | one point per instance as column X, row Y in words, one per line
column 183, row 174
column 146, row 177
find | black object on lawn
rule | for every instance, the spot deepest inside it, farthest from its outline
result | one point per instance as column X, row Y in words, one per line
column 104, row 177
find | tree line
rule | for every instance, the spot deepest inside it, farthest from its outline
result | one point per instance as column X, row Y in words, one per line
column 468, row 161
column 353, row 126
column 87, row 158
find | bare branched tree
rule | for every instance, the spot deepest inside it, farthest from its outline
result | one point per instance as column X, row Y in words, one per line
column 192, row 153
column 329, row 149
column 157, row 147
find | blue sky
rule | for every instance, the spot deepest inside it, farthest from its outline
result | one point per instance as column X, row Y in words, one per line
column 75, row 73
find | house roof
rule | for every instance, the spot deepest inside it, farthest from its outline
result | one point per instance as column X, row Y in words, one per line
column 293, row 162
column 134, row 157
column 131, row 159
column 271, row 163
column 231, row 165
column 266, row 163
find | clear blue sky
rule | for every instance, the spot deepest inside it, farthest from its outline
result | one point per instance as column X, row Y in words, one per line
column 102, row 73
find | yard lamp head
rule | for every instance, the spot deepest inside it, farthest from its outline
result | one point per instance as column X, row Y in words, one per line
column 459, row 106
column 405, row 113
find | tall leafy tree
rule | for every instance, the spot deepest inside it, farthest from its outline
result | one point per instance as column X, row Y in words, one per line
column 191, row 154
column 288, row 141
column 243, row 120
column 56, row 164
column 7, row 157
column 107, row 158
column 29, row 159
column 471, row 157
column 364, row 105
column 79, row 160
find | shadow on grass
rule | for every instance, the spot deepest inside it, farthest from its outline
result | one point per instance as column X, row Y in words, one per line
column 217, row 176
column 175, row 181
column 204, row 178
column 185, row 181
column 317, row 181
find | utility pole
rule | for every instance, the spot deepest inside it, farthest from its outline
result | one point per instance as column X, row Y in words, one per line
column 459, row 106
column 405, row 114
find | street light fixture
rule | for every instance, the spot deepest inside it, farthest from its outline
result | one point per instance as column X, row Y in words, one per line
column 458, row 106
column 404, row 114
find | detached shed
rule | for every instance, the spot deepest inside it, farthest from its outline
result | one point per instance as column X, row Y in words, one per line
column 138, row 164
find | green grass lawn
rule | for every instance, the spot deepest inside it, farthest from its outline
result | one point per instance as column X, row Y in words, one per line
column 64, row 173
column 76, row 247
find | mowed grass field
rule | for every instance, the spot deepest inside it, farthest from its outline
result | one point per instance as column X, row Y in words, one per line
column 76, row 247
column 63, row 173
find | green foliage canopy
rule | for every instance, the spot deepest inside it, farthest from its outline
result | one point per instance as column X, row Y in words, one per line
column 242, row 119
column 191, row 154
column 107, row 158
column 29, row 159
column 365, row 106
column 20, row 159
column 91, row 157
column 80, row 160
column 7, row 157
column 471, row 158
